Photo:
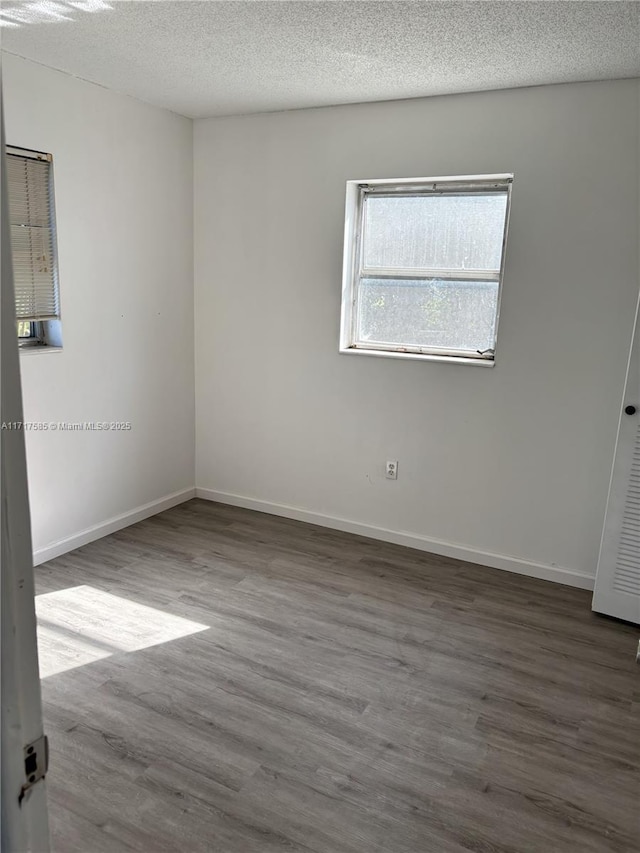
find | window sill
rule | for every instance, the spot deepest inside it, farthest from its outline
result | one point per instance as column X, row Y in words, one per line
column 419, row 356
column 34, row 349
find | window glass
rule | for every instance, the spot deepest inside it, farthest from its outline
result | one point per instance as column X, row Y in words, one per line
column 457, row 315
column 434, row 232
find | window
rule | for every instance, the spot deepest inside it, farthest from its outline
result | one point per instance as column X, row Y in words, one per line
column 33, row 247
column 423, row 267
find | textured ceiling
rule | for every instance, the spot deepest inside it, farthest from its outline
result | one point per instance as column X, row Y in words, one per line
column 219, row 58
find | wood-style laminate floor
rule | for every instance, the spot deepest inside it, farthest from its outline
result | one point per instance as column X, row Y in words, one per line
column 242, row 683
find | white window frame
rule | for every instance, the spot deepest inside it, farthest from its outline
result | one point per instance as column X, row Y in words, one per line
column 354, row 270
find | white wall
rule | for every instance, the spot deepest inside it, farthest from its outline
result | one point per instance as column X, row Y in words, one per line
column 123, row 184
column 511, row 462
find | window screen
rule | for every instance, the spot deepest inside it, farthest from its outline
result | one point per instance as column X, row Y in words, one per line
column 423, row 266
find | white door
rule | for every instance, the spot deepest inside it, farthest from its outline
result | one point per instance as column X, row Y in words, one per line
column 617, row 589
column 24, row 806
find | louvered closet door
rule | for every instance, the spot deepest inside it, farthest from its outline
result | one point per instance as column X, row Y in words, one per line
column 617, row 590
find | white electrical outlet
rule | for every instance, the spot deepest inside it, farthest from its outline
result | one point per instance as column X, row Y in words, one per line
column 391, row 470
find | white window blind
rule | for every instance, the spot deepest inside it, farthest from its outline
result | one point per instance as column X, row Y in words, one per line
column 31, row 217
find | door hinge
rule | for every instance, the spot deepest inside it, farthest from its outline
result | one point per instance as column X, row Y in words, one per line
column 36, row 763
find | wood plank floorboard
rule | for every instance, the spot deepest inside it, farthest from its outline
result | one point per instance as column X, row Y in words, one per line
column 336, row 695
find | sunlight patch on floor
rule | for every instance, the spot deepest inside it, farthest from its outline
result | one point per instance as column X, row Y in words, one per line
column 81, row 624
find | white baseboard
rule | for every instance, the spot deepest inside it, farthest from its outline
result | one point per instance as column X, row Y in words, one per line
column 90, row 534
column 410, row 540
